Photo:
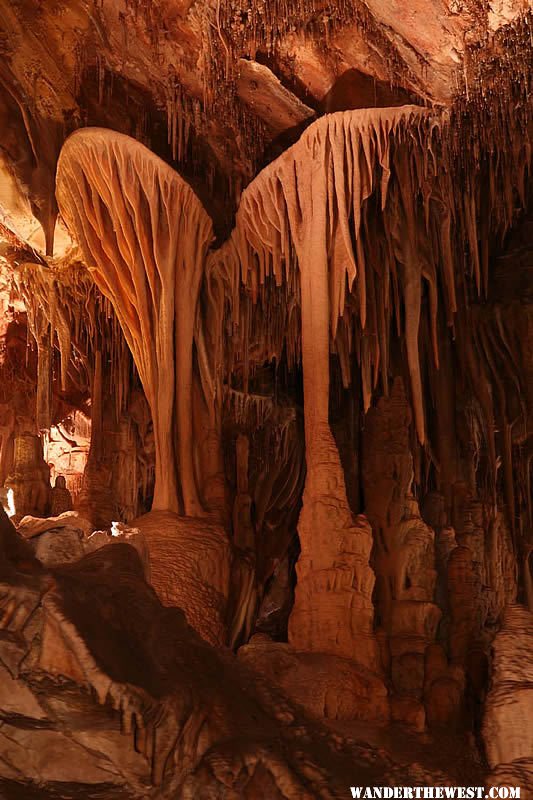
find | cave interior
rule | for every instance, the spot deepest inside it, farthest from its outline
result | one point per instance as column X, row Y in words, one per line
column 266, row 397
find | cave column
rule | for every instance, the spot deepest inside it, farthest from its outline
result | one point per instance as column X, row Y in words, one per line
column 333, row 611
column 146, row 235
column 30, row 479
column 187, row 289
column 159, row 391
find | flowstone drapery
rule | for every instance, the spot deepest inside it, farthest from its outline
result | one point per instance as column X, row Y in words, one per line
column 302, row 222
column 357, row 230
column 144, row 235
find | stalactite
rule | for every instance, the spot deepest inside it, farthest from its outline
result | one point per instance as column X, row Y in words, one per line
column 235, row 28
column 405, row 162
column 180, row 113
column 63, row 298
column 44, row 382
column 274, row 210
column 249, row 410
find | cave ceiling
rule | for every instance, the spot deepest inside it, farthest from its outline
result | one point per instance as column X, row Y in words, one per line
column 217, row 89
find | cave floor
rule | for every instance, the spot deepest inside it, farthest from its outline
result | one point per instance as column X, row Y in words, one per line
column 12, row 790
column 449, row 752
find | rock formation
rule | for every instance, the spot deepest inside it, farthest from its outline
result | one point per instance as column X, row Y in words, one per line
column 181, row 715
column 121, row 201
column 508, row 743
column 266, row 397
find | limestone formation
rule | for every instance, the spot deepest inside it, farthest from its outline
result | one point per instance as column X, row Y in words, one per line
column 182, row 719
column 60, row 497
column 189, row 567
column 506, row 727
column 29, row 480
column 266, row 397
column 120, row 200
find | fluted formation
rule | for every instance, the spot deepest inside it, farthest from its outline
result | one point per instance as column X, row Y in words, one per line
column 144, row 235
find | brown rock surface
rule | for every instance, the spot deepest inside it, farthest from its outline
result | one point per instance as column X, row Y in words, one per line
column 325, row 685
column 507, row 721
column 189, row 567
column 180, row 719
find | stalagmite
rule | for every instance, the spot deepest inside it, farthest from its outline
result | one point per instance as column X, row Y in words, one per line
column 29, row 480
column 120, row 201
